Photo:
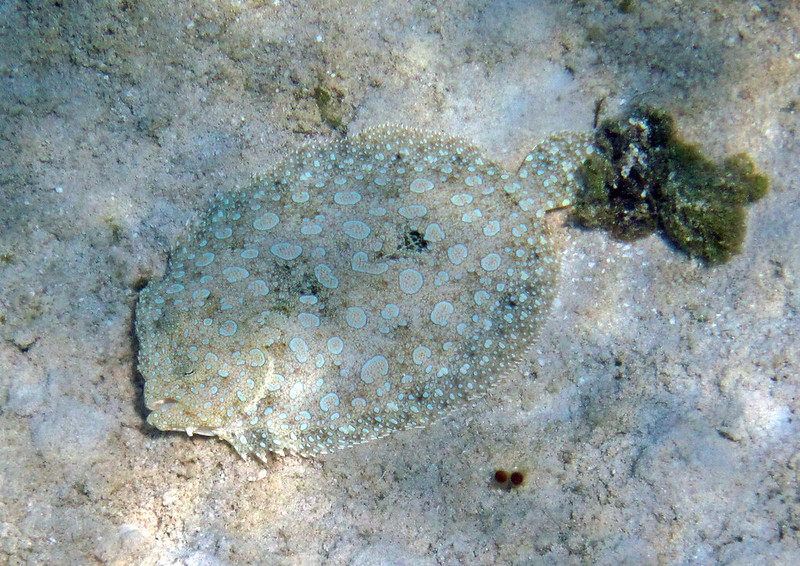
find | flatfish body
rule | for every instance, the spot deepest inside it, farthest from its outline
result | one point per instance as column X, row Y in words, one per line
column 357, row 288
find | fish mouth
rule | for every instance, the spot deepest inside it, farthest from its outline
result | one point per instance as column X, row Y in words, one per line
column 159, row 403
column 191, row 431
column 169, row 414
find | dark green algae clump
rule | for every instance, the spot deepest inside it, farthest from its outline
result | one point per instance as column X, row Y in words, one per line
column 643, row 179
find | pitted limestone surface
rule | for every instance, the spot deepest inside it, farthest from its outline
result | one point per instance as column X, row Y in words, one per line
column 357, row 288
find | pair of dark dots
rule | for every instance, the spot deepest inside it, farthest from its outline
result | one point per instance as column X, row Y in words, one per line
column 514, row 479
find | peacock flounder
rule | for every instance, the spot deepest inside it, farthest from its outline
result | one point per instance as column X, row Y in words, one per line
column 357, row 288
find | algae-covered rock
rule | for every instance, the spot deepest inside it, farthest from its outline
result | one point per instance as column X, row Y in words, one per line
column 642, row 178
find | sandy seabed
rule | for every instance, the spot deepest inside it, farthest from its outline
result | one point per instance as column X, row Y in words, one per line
column 654, row 420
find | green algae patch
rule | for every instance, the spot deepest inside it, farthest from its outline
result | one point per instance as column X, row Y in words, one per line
column 330, row 107
column 643, row 179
